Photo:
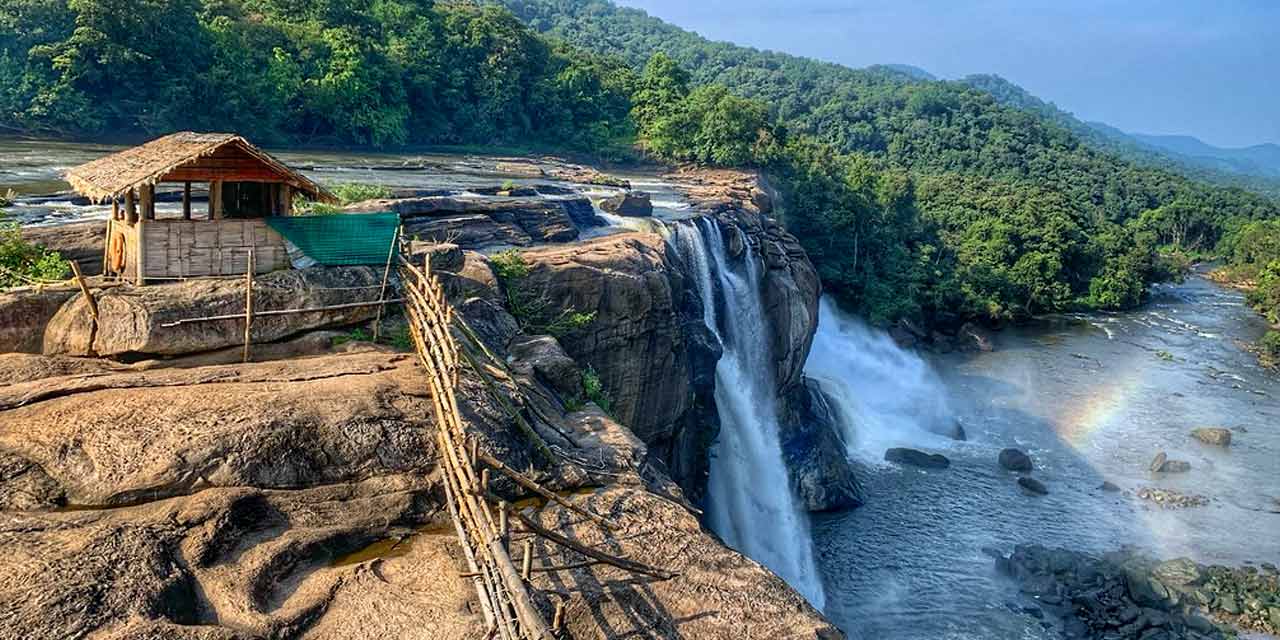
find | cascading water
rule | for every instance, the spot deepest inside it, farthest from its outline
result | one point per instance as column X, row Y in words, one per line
column 886, row 396
column 751, row 506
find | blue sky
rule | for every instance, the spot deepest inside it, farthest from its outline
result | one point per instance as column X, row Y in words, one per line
column 1206, row 68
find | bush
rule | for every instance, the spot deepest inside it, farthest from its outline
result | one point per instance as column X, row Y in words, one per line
column 1269, row 349
column 594, row 390
column 22, row 263
column 350, row 192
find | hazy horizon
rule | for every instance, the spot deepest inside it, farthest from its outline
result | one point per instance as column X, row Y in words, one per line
column 1163, row 68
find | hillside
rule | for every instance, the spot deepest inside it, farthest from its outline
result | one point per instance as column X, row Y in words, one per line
column 1254, row 168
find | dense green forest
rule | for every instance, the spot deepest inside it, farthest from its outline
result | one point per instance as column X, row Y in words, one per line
column 916, row 198
column 1252, row 256
column 930, row 199
column 364, row 72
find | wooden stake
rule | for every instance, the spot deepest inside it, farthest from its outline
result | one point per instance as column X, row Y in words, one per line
column 248, row 305
column 504, row 526
column 526, row 563
column 558, row 620
column 621, row 563
column 186, row 201
column 386, row 275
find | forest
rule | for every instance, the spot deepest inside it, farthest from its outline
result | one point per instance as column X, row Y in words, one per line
column 919, row 199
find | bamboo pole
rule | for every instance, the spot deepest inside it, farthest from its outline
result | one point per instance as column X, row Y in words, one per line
column 84, row 289
column 280, row 312
column 621, row 563
column 557, row 621
column 527, row 483
column 386, row 275
column 526, row 563
column 248, row 305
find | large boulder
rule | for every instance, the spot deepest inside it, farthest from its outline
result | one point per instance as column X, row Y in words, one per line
column 636, row 342
column 634, row 204
column 121, row 437
column 25, row 315
column 916, row 458
column 160, row 320
column 475, row 223
column 821, row 474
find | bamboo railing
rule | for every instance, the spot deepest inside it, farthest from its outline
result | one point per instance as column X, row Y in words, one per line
column 484, row 530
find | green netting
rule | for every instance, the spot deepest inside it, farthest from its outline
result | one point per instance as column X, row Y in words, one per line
column 340, row 239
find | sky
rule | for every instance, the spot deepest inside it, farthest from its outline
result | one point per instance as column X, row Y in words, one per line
column 1208, row 68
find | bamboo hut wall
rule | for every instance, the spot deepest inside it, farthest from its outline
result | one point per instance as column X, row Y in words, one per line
column 194, row 248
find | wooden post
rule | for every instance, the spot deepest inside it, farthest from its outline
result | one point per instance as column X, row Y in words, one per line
column 557, row 621
column 130, row 207
column 248, row 305
column 84, row 289
column 504, row 526
column 526, row 563
column 106, row 246
column 148, row 193
column 140, row 245
column 382, row 292
column 115, row 209
column 215, row 200
column 186, row 201
column 286, row 197
column 475, row 451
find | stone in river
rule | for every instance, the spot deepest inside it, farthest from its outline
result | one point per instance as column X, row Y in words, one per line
column 1033, row 486
column 917, row 458
column 1175, row 466
column 1109, row 486
column 635, row 204
column 1178, row 572
column 1158, row 461
column 1216, row 436
column 1015, row 460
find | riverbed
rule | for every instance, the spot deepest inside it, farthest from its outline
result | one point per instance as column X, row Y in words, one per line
column 1091, row 398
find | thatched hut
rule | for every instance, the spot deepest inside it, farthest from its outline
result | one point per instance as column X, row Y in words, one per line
column 246, row 187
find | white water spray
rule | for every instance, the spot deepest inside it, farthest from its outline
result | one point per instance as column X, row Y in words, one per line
column 751, row 506
column 886, row 396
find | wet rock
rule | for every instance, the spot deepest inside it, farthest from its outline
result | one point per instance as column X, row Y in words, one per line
column 916, row 458
column 1175, row 466
column 902, row 337
column 957, row 432
column 1109, row 487
column 820, row 471
column 1169, row 499
column 1015, row 460
column 521, row 169
column 633, row 204
column 1158, row 461
column 1216, row 436
column 1033, row 486
column 972, row 337
column 1180, row 572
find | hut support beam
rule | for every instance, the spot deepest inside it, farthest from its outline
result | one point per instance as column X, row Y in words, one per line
column 215, row 200
column 186, row 201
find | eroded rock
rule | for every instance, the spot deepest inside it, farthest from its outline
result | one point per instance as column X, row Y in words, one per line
column 916, row 458
column 1015, row 460
column 1216, row 436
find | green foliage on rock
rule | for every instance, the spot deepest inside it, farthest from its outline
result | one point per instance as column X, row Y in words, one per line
column 535, row 312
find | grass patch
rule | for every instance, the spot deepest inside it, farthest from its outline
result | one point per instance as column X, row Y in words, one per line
column 593, row 388
column 347, row 193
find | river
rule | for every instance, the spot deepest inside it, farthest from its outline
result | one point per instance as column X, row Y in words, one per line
column 1091, row 397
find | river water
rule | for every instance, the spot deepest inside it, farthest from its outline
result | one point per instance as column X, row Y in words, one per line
column 1090, row 397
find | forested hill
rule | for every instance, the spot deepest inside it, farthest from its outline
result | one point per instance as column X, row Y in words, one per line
column 317, row 72
column 931, row 198
column 1238, row 170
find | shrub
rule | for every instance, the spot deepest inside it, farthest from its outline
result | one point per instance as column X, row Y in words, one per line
column 23, row 263
column 594, row 390
column 349, row 192
column 534, row 311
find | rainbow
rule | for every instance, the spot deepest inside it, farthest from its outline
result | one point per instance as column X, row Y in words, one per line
column 1099, row 406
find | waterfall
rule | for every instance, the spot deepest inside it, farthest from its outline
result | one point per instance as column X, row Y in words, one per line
column 750, row 502
column 885, row 396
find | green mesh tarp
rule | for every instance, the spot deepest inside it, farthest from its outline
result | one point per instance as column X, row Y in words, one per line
column 340, row 239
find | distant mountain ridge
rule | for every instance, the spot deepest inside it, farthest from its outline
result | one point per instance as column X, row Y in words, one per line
column 1256, row 168
column 1258, row 159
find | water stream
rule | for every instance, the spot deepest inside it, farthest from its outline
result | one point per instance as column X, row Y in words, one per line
column 749, row 497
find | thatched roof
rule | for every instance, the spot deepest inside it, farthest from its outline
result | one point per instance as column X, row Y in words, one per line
column 112, row 177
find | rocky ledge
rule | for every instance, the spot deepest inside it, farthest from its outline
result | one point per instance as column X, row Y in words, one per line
column 1127, row 594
